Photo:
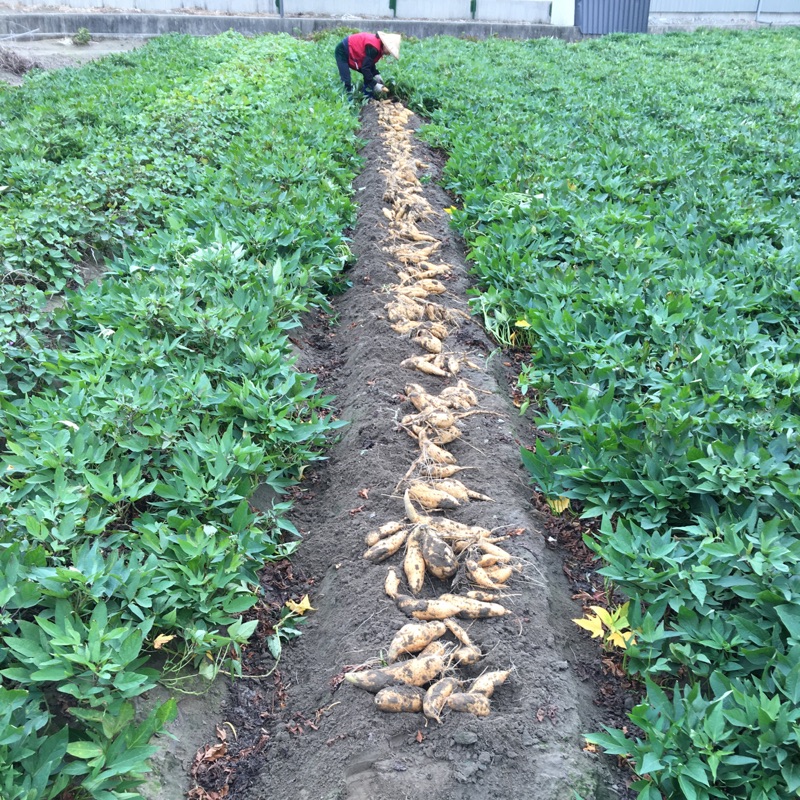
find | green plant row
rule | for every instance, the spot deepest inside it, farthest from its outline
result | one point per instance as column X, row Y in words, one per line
column 631, row 209
column 161, row 396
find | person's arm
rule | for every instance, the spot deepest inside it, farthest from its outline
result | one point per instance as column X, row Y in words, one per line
column 368, row 68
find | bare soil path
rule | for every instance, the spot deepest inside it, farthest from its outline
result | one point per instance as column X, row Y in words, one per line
column 303, row 732
column 57, row 53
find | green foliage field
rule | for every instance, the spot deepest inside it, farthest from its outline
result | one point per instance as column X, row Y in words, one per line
column 212, row 180
column 631, row 205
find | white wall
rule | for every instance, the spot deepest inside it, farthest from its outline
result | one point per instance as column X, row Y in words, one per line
column 532, row 11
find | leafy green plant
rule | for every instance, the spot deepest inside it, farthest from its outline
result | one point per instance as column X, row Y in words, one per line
column 139, row 412
column 632, row 201
column 82, row 37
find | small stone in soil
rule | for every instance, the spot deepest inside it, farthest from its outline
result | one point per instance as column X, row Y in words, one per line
column 465, row 737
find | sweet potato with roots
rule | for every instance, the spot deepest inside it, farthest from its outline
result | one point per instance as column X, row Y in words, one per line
column 436, row 697
column 488, row 682
column 426, row 609
column 467, row 608
column 430, row 498
column 423, row 365
column 432, row 452
column 414, row 637
column 386, row 547
column 428, row 341
column 437, row 648
column 398, row 699
column 385, row 530
column 459, row 491
column 437, row 554
column 442, row 470
column 415, row 672
column 458, row 632
column 431, row 418
column 491, row 549
column 466, row 656
column 403, row 309
column 405, row 326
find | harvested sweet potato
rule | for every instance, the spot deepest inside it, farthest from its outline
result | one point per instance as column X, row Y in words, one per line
column 426, row 609
column 386, row 530
column 450, row 529
column 436, row 697
column 442, row 470
column 431, row 417
column 370, row 680
column 392, row 583
column 420, row 363
column 468, row 608
column 421, row 400
column 412, row 290
column 414, row 637
column 445, row 435
column 459, row 396
column 400, row 699
column 432, row 452
column 412, row 513
column 466, row 656
column 386, row 547
column 428, row 341
column 417, row 671
column 403, row 309
column 499, row 573
column 405, row 326
column 439, row 330
column 477, row 704
column 430, row 498
column 437, row 554
column 488, row 682
column 479, row 594
column 436, row 648
column 459, row 491
column 414, row 563
column 492, row 549
column 479, row 576
column 458, row 632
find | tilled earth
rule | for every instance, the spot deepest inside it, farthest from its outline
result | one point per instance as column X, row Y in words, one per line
column 303, row 732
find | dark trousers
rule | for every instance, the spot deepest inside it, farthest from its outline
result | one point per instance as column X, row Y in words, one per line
column 343, row 63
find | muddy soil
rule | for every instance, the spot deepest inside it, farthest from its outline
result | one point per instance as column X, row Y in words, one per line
column 303, row 732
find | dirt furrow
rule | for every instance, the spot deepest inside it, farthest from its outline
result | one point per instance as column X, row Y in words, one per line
column 312, row 735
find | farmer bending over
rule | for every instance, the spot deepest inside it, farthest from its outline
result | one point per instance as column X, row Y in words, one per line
column 361, row 51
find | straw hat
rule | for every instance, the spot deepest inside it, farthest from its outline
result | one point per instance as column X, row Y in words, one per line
column 391, row 43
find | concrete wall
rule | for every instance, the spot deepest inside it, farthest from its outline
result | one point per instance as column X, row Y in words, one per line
column 142, row 24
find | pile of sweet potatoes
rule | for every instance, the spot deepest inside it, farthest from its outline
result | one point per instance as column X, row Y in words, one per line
column 427, row 661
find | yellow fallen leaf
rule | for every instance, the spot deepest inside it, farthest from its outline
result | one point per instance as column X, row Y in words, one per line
column 591, row 624
column 450, row 210
column 620, row 641
column 558, row 505
column 301, row 607
column 522, row 323
column 161, row 640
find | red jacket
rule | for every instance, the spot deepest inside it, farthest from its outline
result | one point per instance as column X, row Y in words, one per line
column 357, row 46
